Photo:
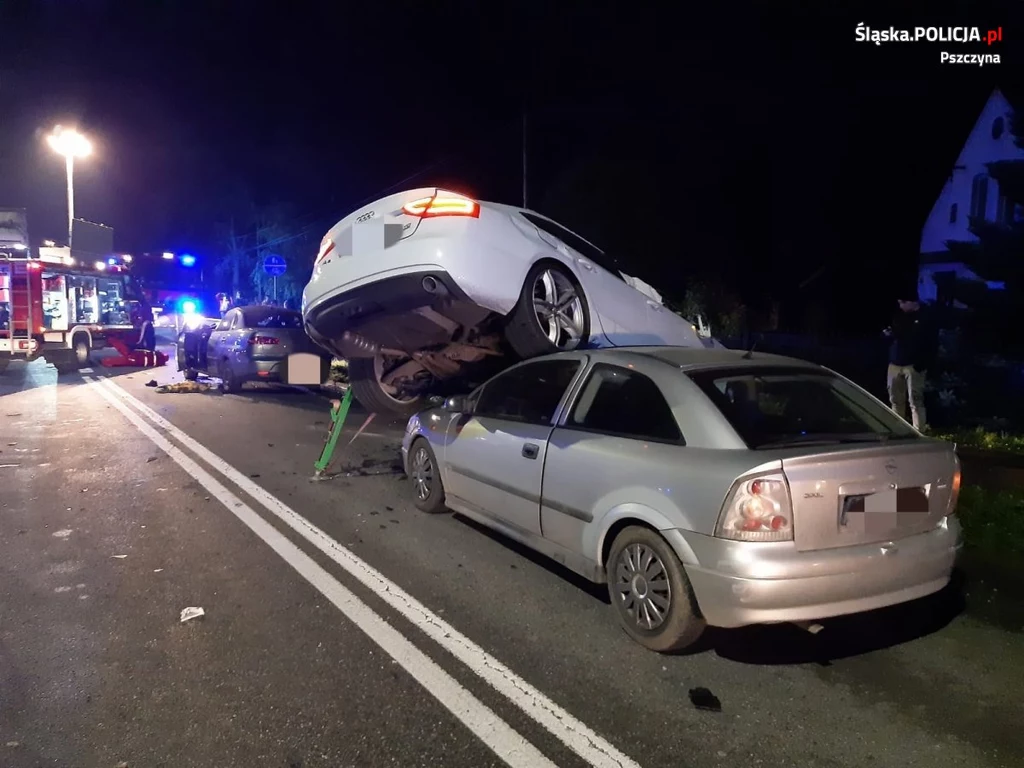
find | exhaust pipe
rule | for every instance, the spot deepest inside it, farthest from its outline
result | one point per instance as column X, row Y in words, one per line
column 431, row 286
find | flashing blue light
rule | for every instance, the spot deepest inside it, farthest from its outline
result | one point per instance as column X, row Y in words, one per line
column 188, row 307
column 111, row 261
column 188, row 260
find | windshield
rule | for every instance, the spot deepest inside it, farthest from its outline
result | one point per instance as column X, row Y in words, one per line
column 272, row 318
column 778, row 407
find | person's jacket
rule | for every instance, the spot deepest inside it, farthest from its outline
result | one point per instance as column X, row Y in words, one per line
column 914, row 340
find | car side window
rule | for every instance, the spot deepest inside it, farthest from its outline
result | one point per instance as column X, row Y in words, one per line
column 225, row 322
column 622, row 402
column 529, row 393
column 577, row 243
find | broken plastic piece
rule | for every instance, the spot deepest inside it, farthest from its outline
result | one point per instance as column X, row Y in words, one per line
column 119, row 557
column 190, row 613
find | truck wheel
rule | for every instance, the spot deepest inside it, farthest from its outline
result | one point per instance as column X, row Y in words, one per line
column 364, row 376
column 552, row 314
column 3, row 366
column 80, row 346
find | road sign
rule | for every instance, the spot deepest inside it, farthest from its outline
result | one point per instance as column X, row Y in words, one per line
column 274, row 265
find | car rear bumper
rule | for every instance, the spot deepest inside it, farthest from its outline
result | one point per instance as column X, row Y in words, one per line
column 740, row 583
column 348, row 308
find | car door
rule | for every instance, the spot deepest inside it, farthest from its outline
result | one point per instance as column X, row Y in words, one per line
column 494, row 461
column 618, row 443
column 620, row 309
column 670, row 328
column 216, row 345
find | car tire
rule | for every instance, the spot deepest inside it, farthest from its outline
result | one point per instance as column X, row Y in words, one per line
column 524, row 327
column 633, row 601
column 229, row 382
column 425, row 478
column 81, row 350
column 364, row 378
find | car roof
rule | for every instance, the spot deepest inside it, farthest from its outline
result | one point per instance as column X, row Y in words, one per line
column 696, row 358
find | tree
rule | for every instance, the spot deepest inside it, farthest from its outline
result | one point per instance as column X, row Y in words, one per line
column 253, row 234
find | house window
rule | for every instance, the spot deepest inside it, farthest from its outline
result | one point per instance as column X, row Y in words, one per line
column 979, row 196
column 952, row 213
column 998, row 126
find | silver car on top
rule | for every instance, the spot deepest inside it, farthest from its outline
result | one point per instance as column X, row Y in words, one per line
column 705, row 487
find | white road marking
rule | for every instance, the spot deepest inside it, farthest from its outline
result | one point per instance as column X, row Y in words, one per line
column 85, row 370
column 570, row 731
column 509, row 745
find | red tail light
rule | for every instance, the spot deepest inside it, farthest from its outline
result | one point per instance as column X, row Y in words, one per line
column 269, row 340
column 325, row 248
column 442, row 205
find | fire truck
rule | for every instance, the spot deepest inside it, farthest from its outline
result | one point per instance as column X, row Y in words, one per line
column 61, row 308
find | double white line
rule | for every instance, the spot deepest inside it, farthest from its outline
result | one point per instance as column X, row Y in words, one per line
column 498, row 735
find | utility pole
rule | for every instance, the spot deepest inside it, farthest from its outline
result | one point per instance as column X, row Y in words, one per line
column 524, row 158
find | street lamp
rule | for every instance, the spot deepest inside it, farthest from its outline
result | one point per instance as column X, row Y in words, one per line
column 71, row 144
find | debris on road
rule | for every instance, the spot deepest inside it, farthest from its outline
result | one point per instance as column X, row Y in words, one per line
column 704, row 699
column 5, row 466
column 152, row 383
column 119, row 557
column 185, row 387
column 192, row 612
column 157, row 570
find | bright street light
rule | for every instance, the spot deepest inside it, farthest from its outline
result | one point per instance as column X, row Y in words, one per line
column 71, row 144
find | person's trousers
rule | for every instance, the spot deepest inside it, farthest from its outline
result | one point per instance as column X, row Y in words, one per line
column 904, row 379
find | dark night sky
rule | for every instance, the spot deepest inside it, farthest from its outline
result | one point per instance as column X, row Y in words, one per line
column 760, row 140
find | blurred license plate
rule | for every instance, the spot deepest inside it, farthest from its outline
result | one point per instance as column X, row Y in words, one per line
column 303, row 369
column 879, row 513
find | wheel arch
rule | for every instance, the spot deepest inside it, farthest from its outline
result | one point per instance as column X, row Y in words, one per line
column 642, row 516
column 78, row 330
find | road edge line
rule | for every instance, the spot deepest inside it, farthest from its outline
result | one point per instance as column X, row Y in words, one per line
column 572, row 732
column 507, row 743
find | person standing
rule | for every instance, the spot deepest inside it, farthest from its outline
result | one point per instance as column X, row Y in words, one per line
column 913, row 348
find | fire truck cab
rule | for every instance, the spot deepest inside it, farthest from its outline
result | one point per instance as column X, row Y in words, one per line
column 62, row 310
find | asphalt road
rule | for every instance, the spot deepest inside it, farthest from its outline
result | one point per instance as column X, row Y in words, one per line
column 344, row 628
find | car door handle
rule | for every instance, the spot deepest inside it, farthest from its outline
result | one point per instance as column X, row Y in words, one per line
column 585, row 264
column 531, row 451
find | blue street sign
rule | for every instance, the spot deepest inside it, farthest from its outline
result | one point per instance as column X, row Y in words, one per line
column 275, row 266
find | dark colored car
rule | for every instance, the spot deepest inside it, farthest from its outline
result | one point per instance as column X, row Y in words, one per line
column 255, row 343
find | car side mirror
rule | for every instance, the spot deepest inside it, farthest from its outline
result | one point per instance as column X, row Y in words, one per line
column 455, row 404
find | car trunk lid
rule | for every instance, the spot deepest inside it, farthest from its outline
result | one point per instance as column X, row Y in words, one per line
column 385, row 215
column 856, row 495
column 273, row 343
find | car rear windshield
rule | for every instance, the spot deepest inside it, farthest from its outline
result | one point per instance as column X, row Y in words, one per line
column 272, row 318
column 781, row 407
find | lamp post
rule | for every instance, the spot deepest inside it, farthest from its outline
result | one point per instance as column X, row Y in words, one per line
column 71, row 144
